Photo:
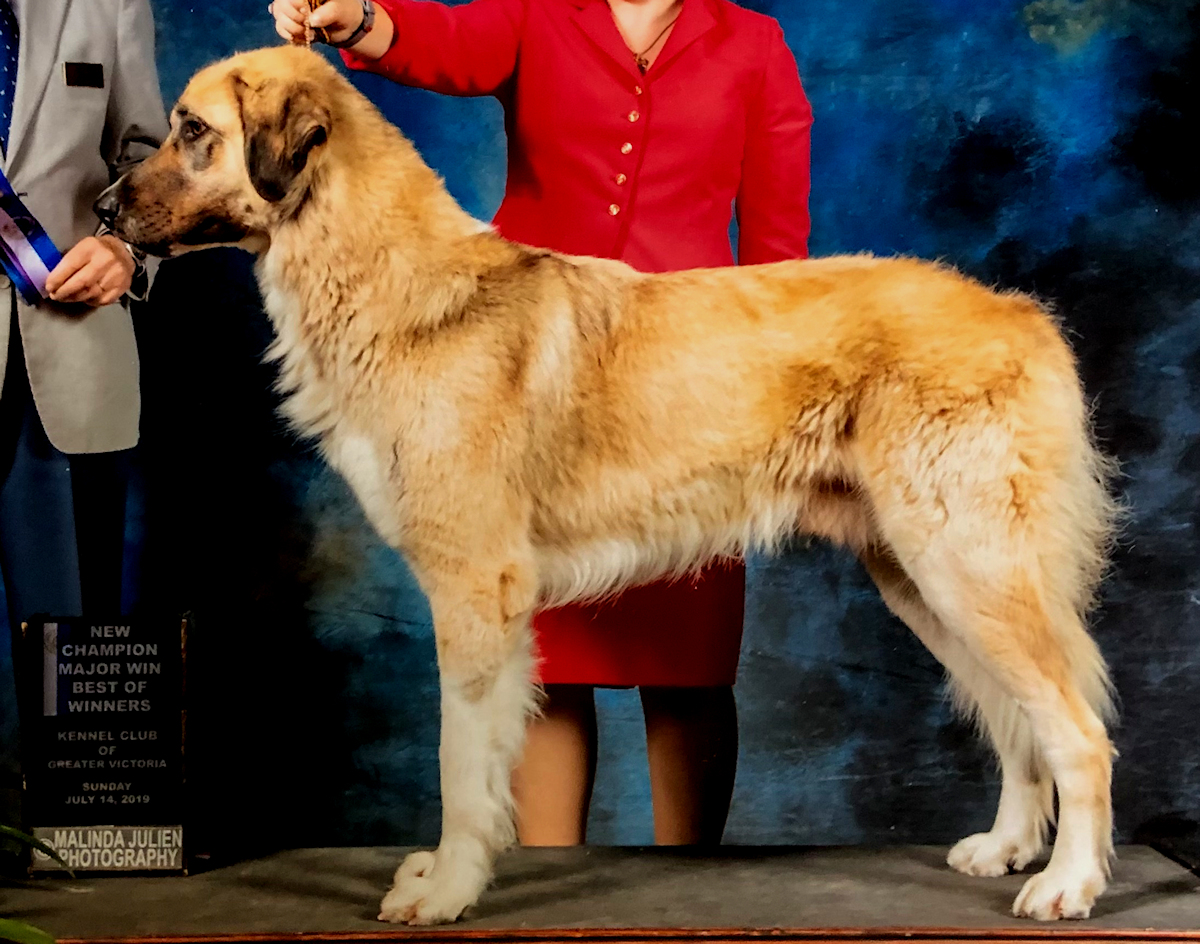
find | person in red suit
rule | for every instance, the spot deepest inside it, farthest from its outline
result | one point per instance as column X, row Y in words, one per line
column 635, row 127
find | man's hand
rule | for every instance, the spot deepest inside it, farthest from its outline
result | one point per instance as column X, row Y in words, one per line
column 97, row 271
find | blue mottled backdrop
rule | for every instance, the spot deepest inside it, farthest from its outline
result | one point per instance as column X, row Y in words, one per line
column 1040, row 146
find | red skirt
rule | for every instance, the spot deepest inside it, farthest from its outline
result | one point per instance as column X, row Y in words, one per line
column 679, row 633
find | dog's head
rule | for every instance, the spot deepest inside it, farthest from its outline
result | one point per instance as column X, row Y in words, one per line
column 243, row 155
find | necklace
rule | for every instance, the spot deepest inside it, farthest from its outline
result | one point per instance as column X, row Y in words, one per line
column 640, row 57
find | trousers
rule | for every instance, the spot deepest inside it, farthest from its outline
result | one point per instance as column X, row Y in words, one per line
column 62, row 518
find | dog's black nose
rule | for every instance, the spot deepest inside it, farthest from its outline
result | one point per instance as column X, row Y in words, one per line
column 108, row 204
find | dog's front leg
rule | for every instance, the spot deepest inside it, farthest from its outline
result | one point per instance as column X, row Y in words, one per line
column 485, row 664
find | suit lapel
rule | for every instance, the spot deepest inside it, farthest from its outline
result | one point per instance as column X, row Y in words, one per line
column 595, row 19
column 695, row 19
column 41, row 24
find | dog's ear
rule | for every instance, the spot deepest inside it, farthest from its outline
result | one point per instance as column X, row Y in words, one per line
column 283, row 121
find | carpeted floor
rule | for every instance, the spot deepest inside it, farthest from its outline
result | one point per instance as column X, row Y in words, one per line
column 337, row 890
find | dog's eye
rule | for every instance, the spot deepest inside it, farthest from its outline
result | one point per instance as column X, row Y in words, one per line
column 191, row 129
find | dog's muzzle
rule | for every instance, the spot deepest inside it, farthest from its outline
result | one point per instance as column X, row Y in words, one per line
column 108, row 204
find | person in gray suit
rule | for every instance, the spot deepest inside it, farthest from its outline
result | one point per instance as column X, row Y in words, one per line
column 79, row 105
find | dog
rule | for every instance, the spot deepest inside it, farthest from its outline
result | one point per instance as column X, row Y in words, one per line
column 528, row 428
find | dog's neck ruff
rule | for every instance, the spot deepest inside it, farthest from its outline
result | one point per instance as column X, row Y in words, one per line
column 307, row 400
column 333, row 294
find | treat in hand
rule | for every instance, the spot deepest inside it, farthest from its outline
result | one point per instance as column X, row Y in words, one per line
column 315, row 33
column 294, row 19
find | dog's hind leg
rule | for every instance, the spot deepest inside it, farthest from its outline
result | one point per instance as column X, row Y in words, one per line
column 486, row 670
column 1026, row 808
column 973, row 576
column 997, row 509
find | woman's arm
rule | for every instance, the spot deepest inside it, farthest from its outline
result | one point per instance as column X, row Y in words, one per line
column 470, row 49
column 772, row 201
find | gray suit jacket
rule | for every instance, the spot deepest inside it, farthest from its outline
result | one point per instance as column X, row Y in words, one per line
column 64, row 146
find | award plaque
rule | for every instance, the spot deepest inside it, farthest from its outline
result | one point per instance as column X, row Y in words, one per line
column 103, row 736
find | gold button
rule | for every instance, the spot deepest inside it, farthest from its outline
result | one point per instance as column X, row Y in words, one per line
column 634, row 116
column 613, row 209
column 621, row 178
column 637, row 90
column 626, row 148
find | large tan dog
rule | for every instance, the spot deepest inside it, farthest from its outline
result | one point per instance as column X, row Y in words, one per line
column 527, row 428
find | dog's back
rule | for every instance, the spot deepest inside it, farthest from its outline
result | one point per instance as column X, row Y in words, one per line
column 695, row 415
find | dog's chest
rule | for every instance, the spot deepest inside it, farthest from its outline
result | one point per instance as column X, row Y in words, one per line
column 371, row 476
column 316, row 408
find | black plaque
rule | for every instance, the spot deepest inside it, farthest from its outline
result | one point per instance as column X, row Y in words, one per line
column 103, row 717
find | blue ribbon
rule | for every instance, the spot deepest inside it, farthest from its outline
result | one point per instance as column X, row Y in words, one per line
column 26, row 251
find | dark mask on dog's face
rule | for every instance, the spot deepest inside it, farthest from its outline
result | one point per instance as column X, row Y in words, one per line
column 238, row 161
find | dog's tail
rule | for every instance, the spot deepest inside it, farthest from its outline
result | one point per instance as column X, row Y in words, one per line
column 1078, row 536
column 1075, row 532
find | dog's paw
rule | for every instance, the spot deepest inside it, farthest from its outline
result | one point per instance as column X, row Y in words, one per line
column 418, row 900
column 992, row 854
column 423, row 893
column 415, row 864
column 1059, row 893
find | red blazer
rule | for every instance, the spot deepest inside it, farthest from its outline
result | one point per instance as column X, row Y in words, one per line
column 604, row 161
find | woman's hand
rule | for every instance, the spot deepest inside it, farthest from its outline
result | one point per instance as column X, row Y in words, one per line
column 96, row 271
column 339, row 18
